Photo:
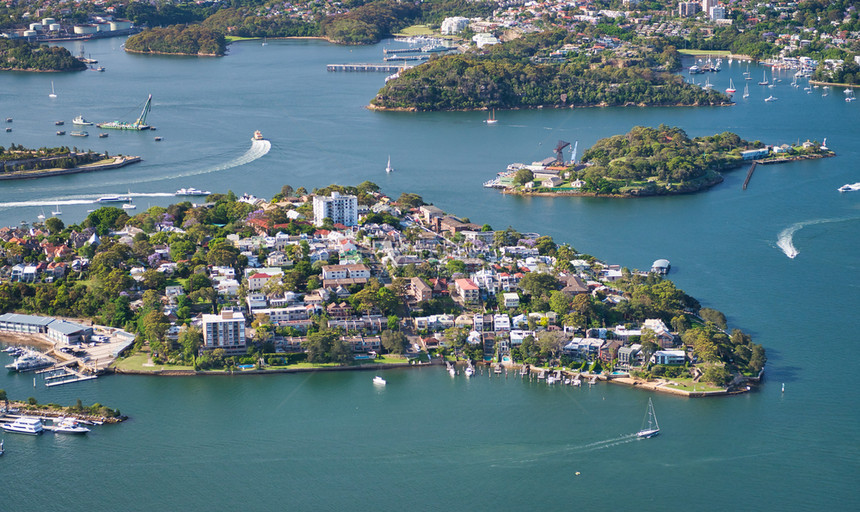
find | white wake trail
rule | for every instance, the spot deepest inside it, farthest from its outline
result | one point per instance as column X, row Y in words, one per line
column 785, row 238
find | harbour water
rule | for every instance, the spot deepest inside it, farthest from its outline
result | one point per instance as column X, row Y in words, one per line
column 426, row 441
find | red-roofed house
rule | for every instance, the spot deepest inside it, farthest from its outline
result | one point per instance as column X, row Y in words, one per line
column 258, row 280
column 467, row 290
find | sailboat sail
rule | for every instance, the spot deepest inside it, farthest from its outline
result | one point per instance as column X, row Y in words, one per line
column 653, row 428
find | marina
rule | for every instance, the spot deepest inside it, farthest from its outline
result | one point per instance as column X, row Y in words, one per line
column 384, row 68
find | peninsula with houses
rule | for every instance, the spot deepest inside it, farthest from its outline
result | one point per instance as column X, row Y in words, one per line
column 350, row 278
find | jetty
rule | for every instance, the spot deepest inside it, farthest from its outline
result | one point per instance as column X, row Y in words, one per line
column 749, row 174
column 384, row 68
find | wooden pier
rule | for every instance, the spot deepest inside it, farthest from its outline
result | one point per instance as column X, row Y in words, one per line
column 749, row 174
column 385, row 68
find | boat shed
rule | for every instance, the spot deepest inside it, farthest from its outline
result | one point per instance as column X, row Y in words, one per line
column 661, row 266
column 68, row 333
column 29, row 324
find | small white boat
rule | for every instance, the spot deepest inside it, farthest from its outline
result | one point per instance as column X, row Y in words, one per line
column 848, row 187
column 771, row 98
column 747, row 91
column 492, row 119
column 53, row 94
column 24, row 425
column 452, row 372
column 388, row 167
column 80, row 121
column 470, row 370
column 69, row 426
column 653, row 428
column 128, row 206
column 379, row 381
column 258, row 135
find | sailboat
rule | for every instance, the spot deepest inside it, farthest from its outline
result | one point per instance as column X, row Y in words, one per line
column 492, row 118
column 57, row 211
column 763, row 79
column 747, row 75
column 653, row 428
column 850, row 97
column 747, row 91
column 388, row 167
column 264, row 42
column 41, row 216
column 731, row 89
column 708, row 84
column 53, row 94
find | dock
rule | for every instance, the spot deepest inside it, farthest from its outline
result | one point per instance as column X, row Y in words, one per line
column 384, row 68
column 410, row 58
column 749, row 174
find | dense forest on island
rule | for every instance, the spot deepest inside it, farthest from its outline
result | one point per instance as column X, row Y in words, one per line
column 242, row 22
column 506, row 77
column 23, row 56
column 178, row 39
column 665, row 153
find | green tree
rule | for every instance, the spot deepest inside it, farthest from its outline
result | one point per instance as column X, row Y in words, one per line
column 560, row 302
column 537, row 284
column 325, row 346
column 54, row 225
column 394, row 341
column 712, row 315
column 523, row 176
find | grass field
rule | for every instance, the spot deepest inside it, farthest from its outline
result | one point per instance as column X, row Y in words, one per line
column 715, row 53
column 417, row 30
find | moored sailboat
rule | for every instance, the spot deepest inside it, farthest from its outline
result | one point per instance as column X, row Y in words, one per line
column 731, row 89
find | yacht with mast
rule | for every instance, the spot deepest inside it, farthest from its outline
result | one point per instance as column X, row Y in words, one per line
column 388, row 167
column 139, row 124
column 653, row 428
column 731, row 89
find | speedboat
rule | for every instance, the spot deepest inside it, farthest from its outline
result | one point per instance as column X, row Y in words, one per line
column 849, row 187
column 80, row 121
column 24, row 425
column 770, row 98
column 128, row 206
column 69, row 426
column 379, row 381
column 470, row 370
column 191, row 191
column 258, row 135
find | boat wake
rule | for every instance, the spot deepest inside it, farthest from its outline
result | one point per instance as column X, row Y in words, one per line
column 81, row 200
column 785, row 239
column 539, row 457
column 258, row 149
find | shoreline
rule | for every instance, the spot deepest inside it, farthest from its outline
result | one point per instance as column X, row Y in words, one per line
column 378, row 108
column 118, row 161
column 166, row 372
column 141, row 52
column 837, row 84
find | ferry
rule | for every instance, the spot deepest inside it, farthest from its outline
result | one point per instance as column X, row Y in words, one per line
column 24, row 425
column 113, row 199
column 191, row 191
column 80, row 121
column 258, row 135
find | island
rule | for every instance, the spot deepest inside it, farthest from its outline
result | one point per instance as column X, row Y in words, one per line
column 20, row 55
column 543, row 70
column 345, row 278
column 646, row 162
column 18, row 162
column 195, row 40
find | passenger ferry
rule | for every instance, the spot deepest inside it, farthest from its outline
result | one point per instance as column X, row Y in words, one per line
column 24, row 425
column 192, row 192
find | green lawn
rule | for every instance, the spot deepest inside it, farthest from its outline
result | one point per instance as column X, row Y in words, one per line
column 715, row 53
column 416, row 30
column 231, row 39
column 136, row 362
column 688, row 385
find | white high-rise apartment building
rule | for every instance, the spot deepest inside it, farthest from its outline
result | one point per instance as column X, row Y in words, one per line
column 226, row 331
column 342, row 209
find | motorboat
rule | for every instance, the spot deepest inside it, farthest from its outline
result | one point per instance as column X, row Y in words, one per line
column 771, row 98
column 379, row 381
column 470, row 370
column 129, row 206
column 653, row 428
column 157, row 139
column 59, row 123
column 29, row 361
column 80, row 121
column 848, row 187
column 103, row 135
column 258, row 135
column 79, row 134
column 191, row 191
column 61, row 132
column 24, row 425
column 69, row 426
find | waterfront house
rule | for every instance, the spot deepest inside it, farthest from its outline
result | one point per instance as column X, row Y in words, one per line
column 669, row 357
column 628, row 356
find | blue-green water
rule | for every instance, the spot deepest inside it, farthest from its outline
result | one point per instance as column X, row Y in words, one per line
column 426, row 441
